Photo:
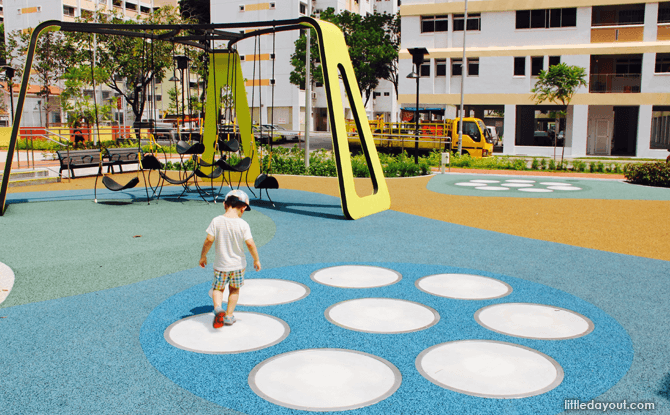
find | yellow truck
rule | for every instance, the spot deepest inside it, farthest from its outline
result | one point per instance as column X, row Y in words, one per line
column 477, row 139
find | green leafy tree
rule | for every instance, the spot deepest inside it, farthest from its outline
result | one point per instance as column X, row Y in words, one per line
column 558, row 84
column 373, row 42
column 131, row 64
column 53, row 55
column 78, row 105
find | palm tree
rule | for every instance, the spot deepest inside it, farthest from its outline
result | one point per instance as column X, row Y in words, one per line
column 558, row 85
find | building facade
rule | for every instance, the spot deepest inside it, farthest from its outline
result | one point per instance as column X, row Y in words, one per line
column 24, row 14
column 289, row 99
column 623, row 45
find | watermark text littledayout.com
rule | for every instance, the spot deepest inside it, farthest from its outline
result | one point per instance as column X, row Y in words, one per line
column 577, row 405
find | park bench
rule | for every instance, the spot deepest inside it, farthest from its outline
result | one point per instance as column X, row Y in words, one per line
column 121, row 156
column 77, row 159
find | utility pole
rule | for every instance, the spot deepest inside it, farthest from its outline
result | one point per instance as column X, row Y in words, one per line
column 308, row 88
column 464, row 72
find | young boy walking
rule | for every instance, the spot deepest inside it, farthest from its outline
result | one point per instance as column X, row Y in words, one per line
column 229, row 232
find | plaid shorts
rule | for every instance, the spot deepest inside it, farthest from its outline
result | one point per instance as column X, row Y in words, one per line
column 234, row 278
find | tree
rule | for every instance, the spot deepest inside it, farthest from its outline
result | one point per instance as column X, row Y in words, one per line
column 76, row 103
column 52, row 58
column 196, row 10
column 131, row 64
column 373, row 41
column 558, row 85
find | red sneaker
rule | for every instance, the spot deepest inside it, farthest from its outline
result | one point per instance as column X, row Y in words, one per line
column 218, row 320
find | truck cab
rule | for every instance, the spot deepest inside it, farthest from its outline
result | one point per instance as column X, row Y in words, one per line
column 477, row 139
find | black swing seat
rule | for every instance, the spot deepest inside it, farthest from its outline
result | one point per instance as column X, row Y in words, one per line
column 263, row 181
column 240, row 167
column 185, row 148
column 115, row 187
column 228, row 144
column 150, row 162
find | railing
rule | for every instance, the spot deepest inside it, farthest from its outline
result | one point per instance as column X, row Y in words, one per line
column 615, row 83
column 403, row 135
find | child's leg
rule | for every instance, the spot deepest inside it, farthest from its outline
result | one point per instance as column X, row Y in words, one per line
column 233, row 296
column 235, row 282
column 218, row 285
column 217, row 299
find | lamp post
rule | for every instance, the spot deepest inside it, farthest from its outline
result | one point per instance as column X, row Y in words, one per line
column 464, row 73
column 417, row 59
column 182, row 65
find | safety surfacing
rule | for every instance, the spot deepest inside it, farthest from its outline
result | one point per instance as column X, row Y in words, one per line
column 422, row 327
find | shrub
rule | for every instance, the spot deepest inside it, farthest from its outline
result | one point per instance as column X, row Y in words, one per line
column 578, row 165
column 651, row 174
column 535, row 165
column 519, row 164
column 543, row 164
column 552, row 164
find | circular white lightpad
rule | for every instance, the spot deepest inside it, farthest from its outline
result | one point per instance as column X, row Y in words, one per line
column 506, row 184
column 252, row 331
column 534, row 321
column 566, row 187
column 535, row 190
column 489, row 369
column 463, row 286
column 325, row 379
column 468, row 184
column 6, row 281
column 520, row 181
column 492, row 188
column 485, row 181
column 356, row 276
column 555, row 184
column 382, row 315
column 264, row 292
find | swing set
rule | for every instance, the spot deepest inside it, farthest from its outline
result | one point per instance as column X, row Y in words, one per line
column 225, row 74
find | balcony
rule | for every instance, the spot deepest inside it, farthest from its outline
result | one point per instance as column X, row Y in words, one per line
column 614, row 83
column 608, row 34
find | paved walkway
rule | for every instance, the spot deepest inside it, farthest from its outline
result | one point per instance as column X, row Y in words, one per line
column 448, row 303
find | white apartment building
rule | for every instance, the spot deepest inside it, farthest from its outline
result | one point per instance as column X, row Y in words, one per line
column 624, row 46
column 289, row 100
column 23, row 14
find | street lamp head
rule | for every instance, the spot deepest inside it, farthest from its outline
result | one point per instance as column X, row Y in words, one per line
column 173, row 79
column 417, row 55
column 413, row 75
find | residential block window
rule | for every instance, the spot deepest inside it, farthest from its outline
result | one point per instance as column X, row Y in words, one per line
column 440, row 67
column 628, row 66
column 520, row 66
column 473, row 66
column 424, row 70
column 554, row 60
column 664, row 12
column 536, row 65
column 376, row 94
column 303, row 8
column 662, row 63
column 624, row 14
column 387, row 94
column 546, row 18
column 456, row 67
column 430, row 24
column 474, row 22
column 68, row 11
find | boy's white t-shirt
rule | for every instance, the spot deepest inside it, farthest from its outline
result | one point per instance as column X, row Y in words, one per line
column 229, row 235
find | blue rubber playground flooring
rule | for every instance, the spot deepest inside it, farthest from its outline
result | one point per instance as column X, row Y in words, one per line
column 97, row 285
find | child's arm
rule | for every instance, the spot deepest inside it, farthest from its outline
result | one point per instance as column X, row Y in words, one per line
column 205, row 248
column 254, row 253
